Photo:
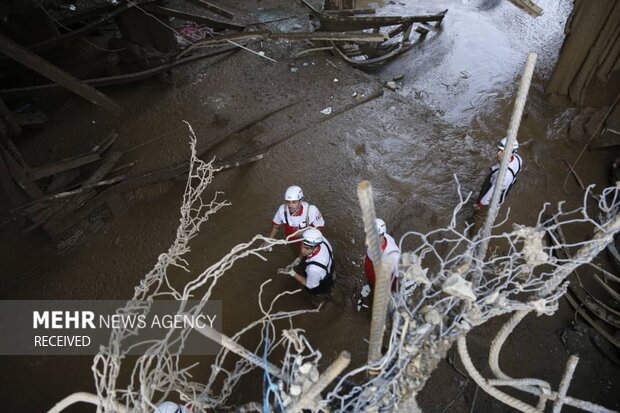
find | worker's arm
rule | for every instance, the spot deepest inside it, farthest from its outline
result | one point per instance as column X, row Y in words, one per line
column 274, row 230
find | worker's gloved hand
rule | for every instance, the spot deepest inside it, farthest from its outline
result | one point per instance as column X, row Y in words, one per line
column 295, row 262
column 267, row 246
column 288, row 270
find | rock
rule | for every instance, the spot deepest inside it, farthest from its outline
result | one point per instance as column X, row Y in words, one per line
column 297, row 27
column 398, row 77
column 294, row 69
column 391, row 85
column 327, row 110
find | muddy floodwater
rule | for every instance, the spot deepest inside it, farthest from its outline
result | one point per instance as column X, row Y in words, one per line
column 451, row 107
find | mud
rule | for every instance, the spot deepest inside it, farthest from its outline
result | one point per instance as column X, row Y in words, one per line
column 452, row 105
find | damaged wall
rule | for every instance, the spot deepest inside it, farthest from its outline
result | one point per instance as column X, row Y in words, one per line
column 588, row 70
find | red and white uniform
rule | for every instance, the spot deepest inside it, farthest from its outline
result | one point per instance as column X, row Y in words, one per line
column 514, row 167
column 306, row 216
column 391, row 253
column 319, row 264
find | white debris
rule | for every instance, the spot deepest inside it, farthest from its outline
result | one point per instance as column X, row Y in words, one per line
column 533, row 248
column 335, row 80
column 413, row 268
column 261, row 53
column 541, row 307
column 491, row 298
column 431, row 315
column 455, row 285
column 354, row 94
column 327, row 110
column 305, row 368
column 391, row 85
column 365, row 291
column 295, row 390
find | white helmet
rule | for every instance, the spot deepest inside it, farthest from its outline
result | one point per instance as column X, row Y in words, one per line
column 312, row 237
column 293, row 193
column 381, row 228
column 171, row 407
column 502, row 145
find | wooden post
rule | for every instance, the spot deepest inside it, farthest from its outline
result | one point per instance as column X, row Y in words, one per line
column 52, row 72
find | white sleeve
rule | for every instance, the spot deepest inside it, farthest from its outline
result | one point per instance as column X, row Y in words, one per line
column 313, row 276
column 278, row 218
column 315, row 218
column 486, row 198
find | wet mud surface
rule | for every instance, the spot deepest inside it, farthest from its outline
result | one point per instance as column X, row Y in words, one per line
column 451, row 108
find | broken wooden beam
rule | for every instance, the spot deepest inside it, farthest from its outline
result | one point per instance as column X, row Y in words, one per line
column 213, row 8
column 113, row 80
column 54, row 41
column 216, row 24
column 53, row 168
column 349, row 12
column 54, row 73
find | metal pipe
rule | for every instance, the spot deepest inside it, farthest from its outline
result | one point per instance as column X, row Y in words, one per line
column 383, row 271
column 330, row 374
column 566, row 379
column 513, row 128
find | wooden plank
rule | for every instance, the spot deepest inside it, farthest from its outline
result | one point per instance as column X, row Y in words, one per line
column 214, row 8
column 54, row 73
column 80, row 199
column 63, row 165
column 216, row 24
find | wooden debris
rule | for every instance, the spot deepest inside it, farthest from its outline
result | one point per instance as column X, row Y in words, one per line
column 216, row 24
column 379, row 51
column 114, row 80
column 577, row 178
column 44, row 68
column 529, row 6
column 213, row 8
column 63, row 165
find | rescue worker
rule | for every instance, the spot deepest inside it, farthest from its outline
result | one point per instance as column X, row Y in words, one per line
column 390, row 252
column 295, row 214
column 481, row 207
column 316, row 270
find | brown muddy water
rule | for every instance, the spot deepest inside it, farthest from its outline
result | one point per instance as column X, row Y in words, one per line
column 452, row 105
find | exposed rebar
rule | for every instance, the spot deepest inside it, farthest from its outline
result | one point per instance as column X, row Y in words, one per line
column 566, row 379
column 383, row 272
column 482, row 383
column 513, row 128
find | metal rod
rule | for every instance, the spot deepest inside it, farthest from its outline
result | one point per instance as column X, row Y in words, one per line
column 513, row 128
column 329, row 375
column 566, row 379
column 382, row 286
column 482, row 383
